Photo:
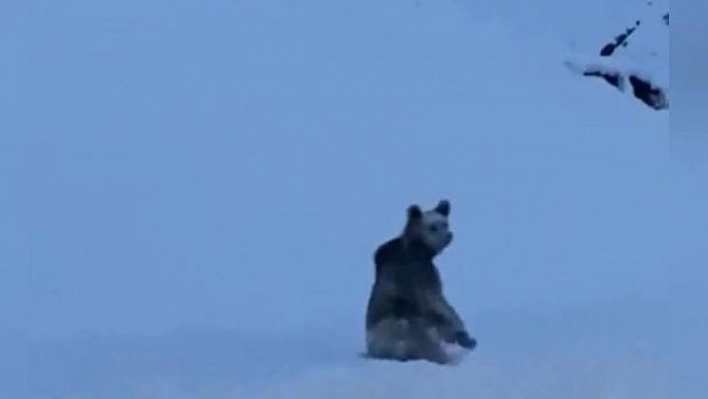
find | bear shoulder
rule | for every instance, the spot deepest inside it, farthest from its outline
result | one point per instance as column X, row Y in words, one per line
column 390, row 251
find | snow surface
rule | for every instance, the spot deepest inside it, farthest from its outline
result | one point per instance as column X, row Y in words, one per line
column 194, row 192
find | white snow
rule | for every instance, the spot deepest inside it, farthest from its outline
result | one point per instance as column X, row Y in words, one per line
column 196, row 190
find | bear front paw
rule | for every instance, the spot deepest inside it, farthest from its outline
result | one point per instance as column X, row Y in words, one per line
column 465, row 341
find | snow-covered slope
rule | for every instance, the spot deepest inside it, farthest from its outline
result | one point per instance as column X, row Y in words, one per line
column 196, row 191
column 636, row 60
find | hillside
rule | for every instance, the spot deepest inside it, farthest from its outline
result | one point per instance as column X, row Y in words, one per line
column 197, row 191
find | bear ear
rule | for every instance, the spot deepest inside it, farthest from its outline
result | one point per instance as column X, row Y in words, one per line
column 414, row 212
column 443, row 207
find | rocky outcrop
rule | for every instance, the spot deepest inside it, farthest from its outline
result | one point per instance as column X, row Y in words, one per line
column 622, row 72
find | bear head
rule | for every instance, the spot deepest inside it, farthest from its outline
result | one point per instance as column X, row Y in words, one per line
column 429, row 230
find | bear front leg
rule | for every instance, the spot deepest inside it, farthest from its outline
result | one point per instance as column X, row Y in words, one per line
column 450, row 325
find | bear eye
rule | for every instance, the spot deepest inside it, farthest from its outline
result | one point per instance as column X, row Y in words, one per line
column 434, row 228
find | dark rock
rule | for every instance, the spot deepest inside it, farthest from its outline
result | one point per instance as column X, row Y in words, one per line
column 648, row 93
column 619, row 41
column 613, row 79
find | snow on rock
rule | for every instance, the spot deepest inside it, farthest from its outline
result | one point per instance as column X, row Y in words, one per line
column 636, row 60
